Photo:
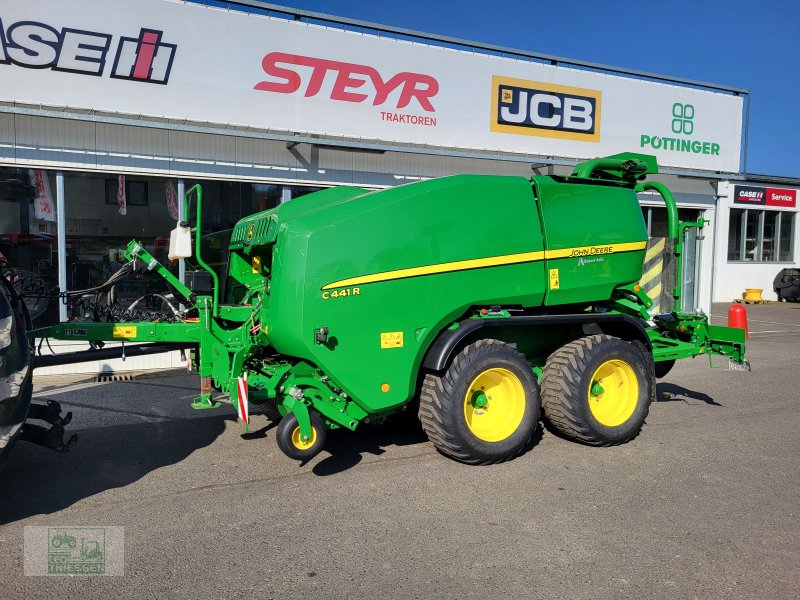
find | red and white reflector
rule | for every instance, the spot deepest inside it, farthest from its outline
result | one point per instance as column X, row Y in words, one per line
column 244, row 410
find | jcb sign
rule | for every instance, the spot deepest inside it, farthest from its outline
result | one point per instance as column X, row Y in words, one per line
column 546, row 110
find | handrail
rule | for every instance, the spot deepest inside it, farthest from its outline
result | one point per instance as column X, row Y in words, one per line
column 674, row 232
column 197, row 235
column 669, row 200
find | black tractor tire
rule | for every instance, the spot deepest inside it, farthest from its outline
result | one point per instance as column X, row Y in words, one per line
column 663, row 367
column 15, row 369
column 575, row 400
column 456, row 406
column 288, row 437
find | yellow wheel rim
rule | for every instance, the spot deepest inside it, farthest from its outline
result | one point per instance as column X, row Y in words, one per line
column 613, row 393
column 494, row 405
column 300, row 443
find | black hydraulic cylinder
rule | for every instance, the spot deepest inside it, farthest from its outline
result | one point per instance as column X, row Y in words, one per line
column 69, row 358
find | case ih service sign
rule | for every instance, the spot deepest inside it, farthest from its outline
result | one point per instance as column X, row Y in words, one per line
column 162, row 58
column 764, row 196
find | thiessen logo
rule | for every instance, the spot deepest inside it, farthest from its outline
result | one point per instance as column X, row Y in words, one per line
column 34, row 45
column 682, row 125
column 544, row 109
column 351, row 82
column 747, row 194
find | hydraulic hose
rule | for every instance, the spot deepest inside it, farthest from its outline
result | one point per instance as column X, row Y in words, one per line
column 626, row 166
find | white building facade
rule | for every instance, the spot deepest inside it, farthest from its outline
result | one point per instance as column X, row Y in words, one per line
column 110, row 110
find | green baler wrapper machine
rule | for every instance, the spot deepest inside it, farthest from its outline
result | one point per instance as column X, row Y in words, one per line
column 461, row 297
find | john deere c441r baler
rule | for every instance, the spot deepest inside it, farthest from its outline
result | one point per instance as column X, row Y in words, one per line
column 474, row 299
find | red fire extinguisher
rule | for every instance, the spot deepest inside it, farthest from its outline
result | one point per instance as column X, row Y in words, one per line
column 737, row 317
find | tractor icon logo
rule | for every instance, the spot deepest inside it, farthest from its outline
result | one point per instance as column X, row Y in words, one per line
column 76, row 551
column 62, row 538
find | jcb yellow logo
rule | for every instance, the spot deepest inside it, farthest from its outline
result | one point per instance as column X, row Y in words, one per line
column 543, row 109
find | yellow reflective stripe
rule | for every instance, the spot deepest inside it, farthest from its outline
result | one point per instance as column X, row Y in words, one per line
column 459, row 265
column 652, row 273
column 491, row 261
column 655, row 250
column 595, row 250
column 655, row 296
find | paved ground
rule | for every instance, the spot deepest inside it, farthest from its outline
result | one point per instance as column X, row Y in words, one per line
column 703, row 504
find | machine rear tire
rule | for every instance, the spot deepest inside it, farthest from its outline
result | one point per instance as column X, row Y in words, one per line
column 598, row 389
column 288, row 437
column 484, row 408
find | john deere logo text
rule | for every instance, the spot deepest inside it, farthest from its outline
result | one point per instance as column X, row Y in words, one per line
column 534, row 108
column 35, row 45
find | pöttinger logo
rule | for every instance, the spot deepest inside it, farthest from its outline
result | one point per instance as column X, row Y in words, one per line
column 683, row 115
column 683, row 124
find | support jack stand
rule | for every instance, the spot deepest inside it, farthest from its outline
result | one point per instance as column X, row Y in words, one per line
column 53, row 437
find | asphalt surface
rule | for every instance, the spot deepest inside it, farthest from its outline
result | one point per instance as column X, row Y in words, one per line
column 703, row 504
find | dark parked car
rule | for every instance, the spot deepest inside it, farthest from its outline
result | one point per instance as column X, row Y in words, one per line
column 787, row 285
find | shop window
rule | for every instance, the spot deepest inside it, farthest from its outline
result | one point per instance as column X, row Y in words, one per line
column 768, row 240
column 135, row 192
column 28, row 247
column 760, row 235
column 226, row 202
column 301, row 190
column 786, row 237
column 735, row 230
column 98, row 230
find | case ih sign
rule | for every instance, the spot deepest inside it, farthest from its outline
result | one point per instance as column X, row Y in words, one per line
column 34, row 45
column 764, row 196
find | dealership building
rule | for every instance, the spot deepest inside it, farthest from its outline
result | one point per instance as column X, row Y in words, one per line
column 109, row 111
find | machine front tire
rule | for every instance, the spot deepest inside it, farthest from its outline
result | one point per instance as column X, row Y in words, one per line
column 484, row 408
column 598, row 389
column 662, row 368
column 289, row 442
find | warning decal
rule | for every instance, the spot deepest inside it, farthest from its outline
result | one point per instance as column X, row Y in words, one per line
column 392, row 339
column 123, row 331
column 554, row 283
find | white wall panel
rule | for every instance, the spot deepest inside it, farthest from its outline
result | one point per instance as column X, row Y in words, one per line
column 55, row 142
column 7, row 138
column 140, row 149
